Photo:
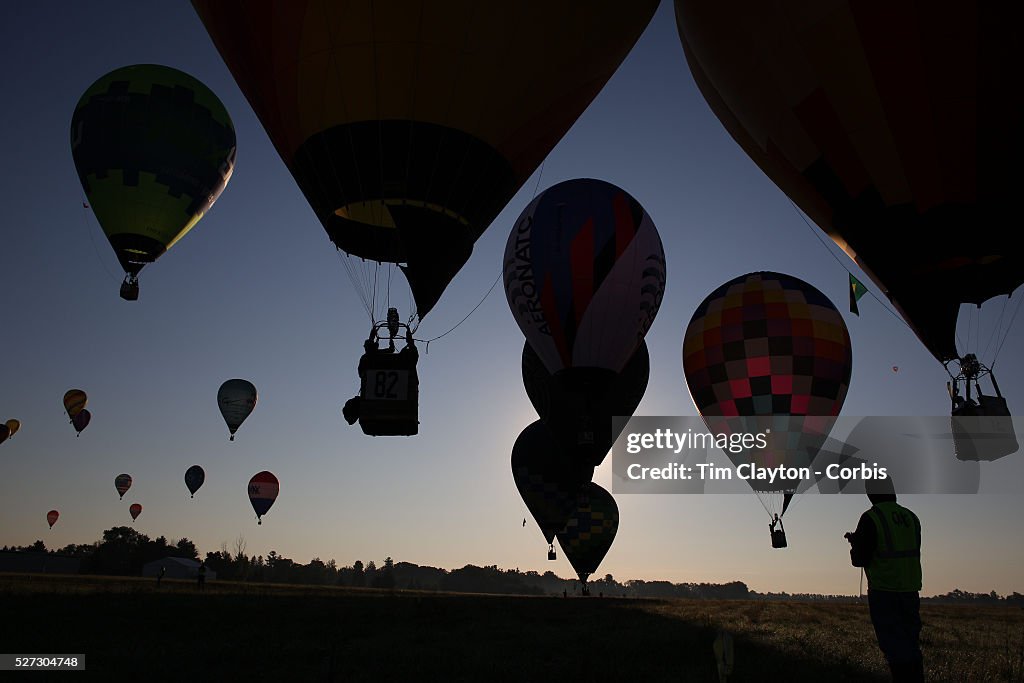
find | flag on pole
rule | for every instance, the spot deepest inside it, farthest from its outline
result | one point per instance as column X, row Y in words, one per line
column 857, row 290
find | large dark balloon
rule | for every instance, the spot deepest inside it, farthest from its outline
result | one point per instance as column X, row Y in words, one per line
column 5, row 432
column 51, row 517
column 410, row 125
column 894, row 125
column 568, row 409
column 547, row 481
column 769, row 353
column 154, row 149
column 591, row 528
column 135, row 510
column 194, row 478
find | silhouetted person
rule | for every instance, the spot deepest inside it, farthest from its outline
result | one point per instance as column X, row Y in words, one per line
column 887, row 544
column 201, row 575
column 160, row 575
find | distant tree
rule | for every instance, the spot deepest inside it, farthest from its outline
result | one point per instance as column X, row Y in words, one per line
column 385, row 577
column 186, row 549
column 358, row 574
column 38, row 547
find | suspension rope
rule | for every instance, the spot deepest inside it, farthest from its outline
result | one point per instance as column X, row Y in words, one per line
column 92, row 238
column 1006, row 334
column 842, row 265
column 540, row 174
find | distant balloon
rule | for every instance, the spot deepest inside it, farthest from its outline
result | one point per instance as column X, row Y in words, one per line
column 263, row 490
column 122, row 483
column 51, row 517
column 74, row 402
column 194, row 478
column 81, row 420
column 547, row 481
column 895, row 368
column 584, row 273
column 591, row 528
column 13, row 426
column 135, row 510
column 236, row 398
column 154, row 148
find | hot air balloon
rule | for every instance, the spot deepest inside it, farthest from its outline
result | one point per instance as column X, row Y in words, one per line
column 81, row 421
column 547, row 481
column 51, row 517
column 584, row 273
column 74, row 402
column 122, row 483
column 194, row 478
column 409, row 127
column 236, row 398
column 12, row 427
column 589, row 533
column 567, row 413
column 135, row 510
column 5, row 432
column 263, row 490
column 768, row 354
column 154, row 148
column 891, row 126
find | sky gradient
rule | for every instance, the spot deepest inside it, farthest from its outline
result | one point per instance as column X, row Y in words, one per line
column 257, row 291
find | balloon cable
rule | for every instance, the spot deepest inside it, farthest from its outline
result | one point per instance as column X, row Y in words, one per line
column 479, row 304
column 1006, row 334
column 842, row 265
column 88, row 229
column 540, row 174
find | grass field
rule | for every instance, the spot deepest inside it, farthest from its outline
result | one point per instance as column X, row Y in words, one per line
column 129, row 630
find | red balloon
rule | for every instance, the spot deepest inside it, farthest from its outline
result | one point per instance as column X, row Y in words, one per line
column 135, row 510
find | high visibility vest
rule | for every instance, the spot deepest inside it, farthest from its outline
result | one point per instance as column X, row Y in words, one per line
column 896, row 564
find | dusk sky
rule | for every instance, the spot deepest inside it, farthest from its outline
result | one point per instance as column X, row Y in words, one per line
column 258, row 291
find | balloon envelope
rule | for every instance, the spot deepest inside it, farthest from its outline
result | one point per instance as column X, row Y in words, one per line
column 13, row 426
column 5, row 432
column 409, row 127
column 194, row 478
column 568, row 407
column 122, row 483
column 81, row 420
column 263, row 490
column 584, row 273
column 547, row 481
column 74, row 402
column 591, row 528
column 892, row 125
column 154, row 148
column 51, row 517
column 135, row 510
column 236, row 399
column 768, row 352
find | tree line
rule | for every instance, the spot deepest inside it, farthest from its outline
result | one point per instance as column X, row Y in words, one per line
column 123, row 551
